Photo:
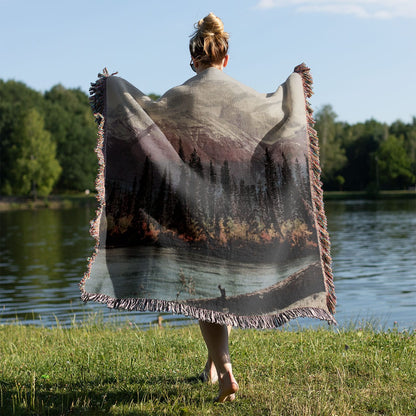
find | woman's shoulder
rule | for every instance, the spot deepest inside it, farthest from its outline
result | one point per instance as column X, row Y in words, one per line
column 214, row 80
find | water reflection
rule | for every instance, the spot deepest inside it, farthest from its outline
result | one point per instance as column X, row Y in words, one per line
column 375, row 260
column 43, row 257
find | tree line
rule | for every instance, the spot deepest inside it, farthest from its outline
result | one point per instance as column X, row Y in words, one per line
column 367, row 156
column 213, row 208
column 47, row 143
column 47, row 140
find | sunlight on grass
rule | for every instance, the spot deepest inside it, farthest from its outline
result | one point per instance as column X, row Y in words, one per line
column 116, row 368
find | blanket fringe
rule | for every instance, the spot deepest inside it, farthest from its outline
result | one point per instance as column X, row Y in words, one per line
column 245, row 322
column 316, row 189
column 97, row 102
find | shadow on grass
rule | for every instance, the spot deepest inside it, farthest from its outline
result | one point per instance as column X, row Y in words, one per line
column 100, row 395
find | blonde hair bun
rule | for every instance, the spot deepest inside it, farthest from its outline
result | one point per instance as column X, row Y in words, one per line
column 209, row 42
column 211, row 25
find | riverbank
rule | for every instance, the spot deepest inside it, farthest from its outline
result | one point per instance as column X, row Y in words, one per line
column 108, row 369
column 344, row 195
column 64, row 201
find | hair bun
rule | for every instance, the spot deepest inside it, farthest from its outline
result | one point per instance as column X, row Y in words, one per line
column 211, row 25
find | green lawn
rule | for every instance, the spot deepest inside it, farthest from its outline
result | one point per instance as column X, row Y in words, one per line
column 109, row 369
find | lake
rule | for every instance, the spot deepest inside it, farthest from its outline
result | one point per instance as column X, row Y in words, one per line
column 43, row 257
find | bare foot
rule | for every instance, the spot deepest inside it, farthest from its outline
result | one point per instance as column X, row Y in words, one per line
column 228, row 388
column 209, row 375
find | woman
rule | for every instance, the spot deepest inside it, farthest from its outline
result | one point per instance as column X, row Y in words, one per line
column 209, row 48
column 211, row 205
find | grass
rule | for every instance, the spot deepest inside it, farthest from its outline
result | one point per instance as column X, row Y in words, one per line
column 108, row 369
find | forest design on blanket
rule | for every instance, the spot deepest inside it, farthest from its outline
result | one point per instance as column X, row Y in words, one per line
column 208, row 197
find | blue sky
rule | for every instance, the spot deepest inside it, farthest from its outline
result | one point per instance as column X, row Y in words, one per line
column 361, row 52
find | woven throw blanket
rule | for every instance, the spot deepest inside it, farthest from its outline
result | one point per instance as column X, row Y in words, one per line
column 210, row 202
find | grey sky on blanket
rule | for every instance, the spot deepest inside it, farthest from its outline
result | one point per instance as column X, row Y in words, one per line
column 210, row 203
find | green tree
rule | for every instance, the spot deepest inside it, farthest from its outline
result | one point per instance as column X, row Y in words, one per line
column 332, row 153
column 8, row 113
column 15, row 92
column 153, row 96
column 35, row 169
column 361, row 142
column 408, row 133
column 394, row 164
column 71, row 123
column 16, row 98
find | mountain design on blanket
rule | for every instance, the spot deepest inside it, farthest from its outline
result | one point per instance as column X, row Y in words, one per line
column 211, row 203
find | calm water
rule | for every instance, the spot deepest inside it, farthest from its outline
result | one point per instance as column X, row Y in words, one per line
column 43, row 257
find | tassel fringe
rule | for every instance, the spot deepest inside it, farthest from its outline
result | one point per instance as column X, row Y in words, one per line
column 97, row 103
column 317, row 193
column 245, row 322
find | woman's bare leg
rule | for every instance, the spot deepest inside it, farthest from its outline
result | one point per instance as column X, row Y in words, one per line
column 209, row 373
column 216, row 339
